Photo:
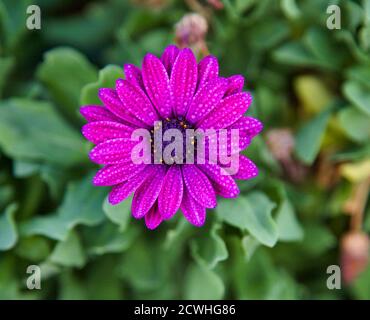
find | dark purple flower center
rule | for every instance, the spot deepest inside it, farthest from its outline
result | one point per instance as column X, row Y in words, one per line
column 178, row 123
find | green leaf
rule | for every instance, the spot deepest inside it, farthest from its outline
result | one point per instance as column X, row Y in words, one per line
column 317, row 239
column 33, row 248
column 309, row 137
column 259, row 278
column 106, row 79
column 346, row 37
column 177, row 235
column 268, row 34
column 102, row 281
column 90, row 29
column 8, row 230
column 361, row 285
column 10, row 286
column 6, row 195
column 65, row 72
column 295, row 54
column 107, row 238
column 358, row 94
column 355, row 124
column 201, row 283
column 367, row 221
column 288, row 227
column 119, row 214
column 142, row 267
column 12, row 22
column 290, row 9
column 322, row 46
column 359, row 73
column 69, row 252
column 6, row 64
column 364, row 36
column 81, row 205
column 354, row 12
column 249, row 245
column 71, row 287
column 210, row 247
column 353, row 154
column 46, row 138
column 251, row 213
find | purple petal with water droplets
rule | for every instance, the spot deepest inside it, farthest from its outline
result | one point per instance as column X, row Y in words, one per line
column 223, row 183
column 121, row 191
column 169, row 56
column 183, row 81
column 100, row 131
column 206, row 99
column 226, row 145
column 170, row 197
column 249, row 125
column 116, row 173
column 192, row 210
column 112, row 151
column 133, row 75
column 247, row 169
column 200, row 188
column 207, row 70
column 228, row 111
column 98, row 113
column 153, row 218
column 148, row 192
column 111, row 100
column 236, row 84
column 136, row 102
column 157, row 85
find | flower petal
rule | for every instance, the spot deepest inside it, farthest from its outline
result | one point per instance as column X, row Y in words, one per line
column 223, row 183
column 116, row 173
column 170, row 197
column 228, row 111
column 111, row 100
column 112, row 151
column 228, row 146
column 247, row 169
column 192, row 210
column 133, row 74
column 98, row 113
column 157, row 85
column 236, row 84
column 134, row 100
column 169, row 56
column 100, row 131
column 206, row 99
column 121, row 191
column 207, row 70
column 183, row 81
column 199, row 186
column 249, row 125
column 153, row 218
column 148, row 192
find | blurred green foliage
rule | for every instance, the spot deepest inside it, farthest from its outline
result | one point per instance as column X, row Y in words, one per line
column 274, row 242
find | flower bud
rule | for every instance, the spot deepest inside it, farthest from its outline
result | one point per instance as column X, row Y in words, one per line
column 191, row 31
column 217, row 4
column 281, row 143
column 354, row 255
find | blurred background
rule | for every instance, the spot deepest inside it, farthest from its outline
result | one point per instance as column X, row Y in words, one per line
column 307, row 210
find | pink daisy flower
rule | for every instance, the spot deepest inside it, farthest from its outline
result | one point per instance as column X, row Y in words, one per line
column 183, row 94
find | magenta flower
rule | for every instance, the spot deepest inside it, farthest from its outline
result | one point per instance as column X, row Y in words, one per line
column 183, row 94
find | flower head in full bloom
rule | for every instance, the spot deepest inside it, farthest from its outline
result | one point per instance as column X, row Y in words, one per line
column 169, row 93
